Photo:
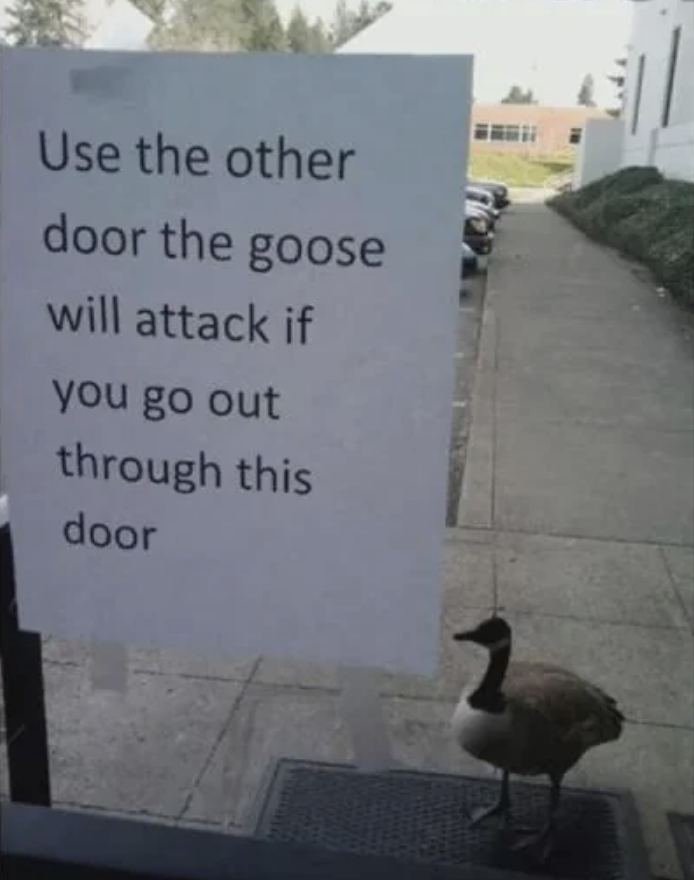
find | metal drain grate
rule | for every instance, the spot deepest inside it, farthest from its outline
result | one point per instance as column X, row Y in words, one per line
column 422, row 817
column 682, row 828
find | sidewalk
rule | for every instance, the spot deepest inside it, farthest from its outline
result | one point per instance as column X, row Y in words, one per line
column 576, row 518
column 581, row 470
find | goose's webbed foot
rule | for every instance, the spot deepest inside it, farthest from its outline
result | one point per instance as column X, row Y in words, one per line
column 502, row 808
column 540, row 843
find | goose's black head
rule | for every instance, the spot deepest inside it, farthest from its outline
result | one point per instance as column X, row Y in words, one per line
column 493, row 634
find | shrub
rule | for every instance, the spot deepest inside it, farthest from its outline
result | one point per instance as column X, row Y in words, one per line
column 609, row 210
column 643, row 215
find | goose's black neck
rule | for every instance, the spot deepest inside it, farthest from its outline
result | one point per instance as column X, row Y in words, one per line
column 488, row 696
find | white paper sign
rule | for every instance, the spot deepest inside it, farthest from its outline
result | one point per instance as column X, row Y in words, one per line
column 229, row 303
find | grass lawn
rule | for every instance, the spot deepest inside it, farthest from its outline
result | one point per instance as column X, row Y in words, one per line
column 517, row 169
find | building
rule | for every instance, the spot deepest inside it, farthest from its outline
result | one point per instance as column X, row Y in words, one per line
column 600, row 152
column 659, row 105
column 530, row 128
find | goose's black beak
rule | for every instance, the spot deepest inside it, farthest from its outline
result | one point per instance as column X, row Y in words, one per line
column 469, row 635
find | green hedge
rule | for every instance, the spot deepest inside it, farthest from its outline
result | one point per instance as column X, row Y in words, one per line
column 644, row 216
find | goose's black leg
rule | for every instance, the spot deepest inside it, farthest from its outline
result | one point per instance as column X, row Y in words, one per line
column 543, row 840
column 500, row 808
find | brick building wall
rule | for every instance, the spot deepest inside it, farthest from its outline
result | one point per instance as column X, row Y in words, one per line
column 529, row 128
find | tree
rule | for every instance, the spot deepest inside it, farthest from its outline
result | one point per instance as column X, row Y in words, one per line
column 46, row 23
column 153, row 9
column 158, row 12
column 320, row 39
column 264, row 31
column 235, row 26
column 366, row 15
column 347, row 23
column 222, row 25
column 517, row 95
column 299, row 35
column 342, row 28
column 304, row 37
column 586, row 94
column 215, row 25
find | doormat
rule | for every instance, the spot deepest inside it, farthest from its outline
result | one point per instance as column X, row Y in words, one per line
column 682, row 828
column 422, row 817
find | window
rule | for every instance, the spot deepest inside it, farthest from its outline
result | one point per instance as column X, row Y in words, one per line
column 575, row 135
column 512, row 134
column 528, row 134
column 671, row 73
column 637, row 95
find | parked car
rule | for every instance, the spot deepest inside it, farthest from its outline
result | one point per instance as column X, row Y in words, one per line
column 480, row 194
column 479, row 209
column 482, row 212
column 483, row 197
column 478, row 234
column 498, row 190
column 469, row 262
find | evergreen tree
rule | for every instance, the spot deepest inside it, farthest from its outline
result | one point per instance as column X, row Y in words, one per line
column 587, row 91
column 157, row 11
column 342, row 25
column 153, row 9
column 299, row 32
column 320, row 40
column 347, row 22
column 517, row 95
column 212, row 25
column 366, row 15
column 264, row 31
column 45, row 23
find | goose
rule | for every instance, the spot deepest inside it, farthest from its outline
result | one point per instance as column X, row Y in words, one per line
column 529, row 719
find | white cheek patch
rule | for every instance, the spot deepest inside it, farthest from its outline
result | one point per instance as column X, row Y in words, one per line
column 500, row 645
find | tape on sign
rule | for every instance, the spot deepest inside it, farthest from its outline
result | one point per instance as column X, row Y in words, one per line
column 361, row 711
column 109, row 667
column 107, row 82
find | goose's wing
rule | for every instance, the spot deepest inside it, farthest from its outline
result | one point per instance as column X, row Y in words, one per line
column 574, row 708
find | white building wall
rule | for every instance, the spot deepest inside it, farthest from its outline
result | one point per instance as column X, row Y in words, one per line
column 600, row 150
column 674, row 151
column 648, row 142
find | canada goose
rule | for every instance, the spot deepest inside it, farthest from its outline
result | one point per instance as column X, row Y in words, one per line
column 530, row 719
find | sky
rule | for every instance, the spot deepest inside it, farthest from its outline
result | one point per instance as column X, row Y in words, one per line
column 546, row 45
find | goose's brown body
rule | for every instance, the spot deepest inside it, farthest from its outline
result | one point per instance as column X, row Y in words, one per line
column 530, row 719
column 550, row 718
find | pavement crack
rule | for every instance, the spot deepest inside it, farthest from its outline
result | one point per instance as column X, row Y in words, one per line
column 673, row 582
column 207, row 763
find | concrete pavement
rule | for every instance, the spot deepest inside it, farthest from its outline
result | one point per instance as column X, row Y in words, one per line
column 580, row 471
column 576, row 517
